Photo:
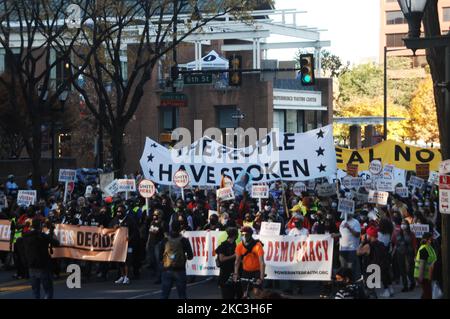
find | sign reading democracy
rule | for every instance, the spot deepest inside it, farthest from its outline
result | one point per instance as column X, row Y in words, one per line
column 277, row 156
column 91, row 243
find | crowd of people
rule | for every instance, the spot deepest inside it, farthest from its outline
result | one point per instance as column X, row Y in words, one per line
column 373, row 234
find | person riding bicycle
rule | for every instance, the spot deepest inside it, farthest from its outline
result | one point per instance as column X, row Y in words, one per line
column 250, row 253
column 346, row 288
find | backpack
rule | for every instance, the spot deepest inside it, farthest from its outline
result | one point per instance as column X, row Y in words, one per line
column 173, row 256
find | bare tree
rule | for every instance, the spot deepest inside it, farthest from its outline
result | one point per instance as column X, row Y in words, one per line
column 149, row 29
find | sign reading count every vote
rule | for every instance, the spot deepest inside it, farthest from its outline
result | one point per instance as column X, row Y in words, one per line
column 278, row 155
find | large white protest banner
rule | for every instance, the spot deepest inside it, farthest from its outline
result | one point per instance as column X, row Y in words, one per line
column 298, row 257
column 204, row 246
column 277, row 156
column 26, row 197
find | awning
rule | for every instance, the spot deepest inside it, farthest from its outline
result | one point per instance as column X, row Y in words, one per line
column 211, row 61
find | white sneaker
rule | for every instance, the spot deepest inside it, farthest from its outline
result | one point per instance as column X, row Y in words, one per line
column 126, row 281
column 385, row 294
column 391, row 291
column 120, row 280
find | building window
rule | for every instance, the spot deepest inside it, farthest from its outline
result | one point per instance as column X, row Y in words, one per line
column 169, row 119
column 446, row 13
column 278, row 120
column 395, row 39
column 297, row 121
column 395, row 17
column 291, row 121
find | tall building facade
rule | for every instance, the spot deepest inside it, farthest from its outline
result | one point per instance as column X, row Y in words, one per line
column 394, row 28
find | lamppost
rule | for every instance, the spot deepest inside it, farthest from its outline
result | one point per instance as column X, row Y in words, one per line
column 413, row 10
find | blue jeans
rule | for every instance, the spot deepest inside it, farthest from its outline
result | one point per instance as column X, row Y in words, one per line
column 348, row 259
column 168, row 278
column 44, row 277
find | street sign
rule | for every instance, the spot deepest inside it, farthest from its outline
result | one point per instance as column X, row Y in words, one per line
column 444, row 194
column 238, row 116
column 173, row 99
column 195, row 79
column 146, row 188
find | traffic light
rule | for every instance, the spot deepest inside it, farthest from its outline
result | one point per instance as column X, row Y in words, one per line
column 307, row 69
column 235, row 75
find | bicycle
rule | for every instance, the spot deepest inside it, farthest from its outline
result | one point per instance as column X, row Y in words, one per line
column 250, row 284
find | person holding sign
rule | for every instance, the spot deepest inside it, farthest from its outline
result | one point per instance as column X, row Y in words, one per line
column 350, row 231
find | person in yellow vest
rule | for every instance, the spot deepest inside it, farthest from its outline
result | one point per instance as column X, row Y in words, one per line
column 425, row 260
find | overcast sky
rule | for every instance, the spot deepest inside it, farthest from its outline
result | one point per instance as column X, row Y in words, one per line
column 353, row 26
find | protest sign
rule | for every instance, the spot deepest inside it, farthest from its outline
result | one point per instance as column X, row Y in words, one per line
column 403, row 192
column 385, row 185
column 91, row 243
column 299, row 188
column 298, row 257
column 67, row 175
column 388, row 169
column 5, row 231
column 346, row 206
column 146, row 188
column 88, row 191
column 434, row 178
column 113, row 188
column 126, row 185
column 326, row 190
column 375, row 167
column 260, row 191
column 105, row 180
column 26, row 197
column 419, row 229
column 225, row 194
column 270, row 229
column 311, row 185
column 444, row 194
column 376, row 197
column 356, row 182
column 347, row 182
column 352, row 170
column 416, row 182
column 287, row 156
column 423, row 170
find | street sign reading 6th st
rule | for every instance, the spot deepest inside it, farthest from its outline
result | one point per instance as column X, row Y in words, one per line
column 197, row 79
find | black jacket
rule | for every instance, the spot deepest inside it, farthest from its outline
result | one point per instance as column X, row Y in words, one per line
column 133, row 230
column 36, row 249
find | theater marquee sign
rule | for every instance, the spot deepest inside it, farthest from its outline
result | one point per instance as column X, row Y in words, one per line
column 298, row 100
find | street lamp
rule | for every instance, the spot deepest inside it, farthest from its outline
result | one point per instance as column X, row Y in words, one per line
column 413, row 11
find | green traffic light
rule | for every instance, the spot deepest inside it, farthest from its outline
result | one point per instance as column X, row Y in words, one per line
column 307, row 78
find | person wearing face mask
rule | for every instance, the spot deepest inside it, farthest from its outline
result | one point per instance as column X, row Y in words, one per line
column 213, row 223
column 226, row 221
column 226, row 258
column 424, row 264
column 180, row 210
column 404, row 242
column 350, row 231
column 298, row 230
column 250, row 253
column 346, row 289
column 155, row 236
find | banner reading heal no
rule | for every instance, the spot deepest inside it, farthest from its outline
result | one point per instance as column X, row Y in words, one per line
column 91, row 243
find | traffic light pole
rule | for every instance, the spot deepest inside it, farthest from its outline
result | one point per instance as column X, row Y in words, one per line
column 239, row 70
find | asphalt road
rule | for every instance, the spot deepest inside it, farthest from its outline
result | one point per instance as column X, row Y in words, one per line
column 144, row 288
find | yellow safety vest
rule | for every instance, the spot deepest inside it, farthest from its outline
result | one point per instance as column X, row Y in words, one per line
column 431, row 259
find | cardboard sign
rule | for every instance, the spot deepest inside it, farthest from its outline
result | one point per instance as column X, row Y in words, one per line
column 26, row 197
column 376, row 197
column 356, row 182
column 423, row 170
column 352, row 170
column 326, row 190
column 299, row 188
column 434, row 178
column 385, row 185
column 375, row 167
column 403, row 192
column 67, row 175
column 113, row 188
column 260, row 191
column 146, row 188
column 225, row 194
column 419, row 229
column 181, row 179
column 416, row 182
column 126, row 185
column 105, row 180
column 88, row 191
column 270, row 229
column 346, row 206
